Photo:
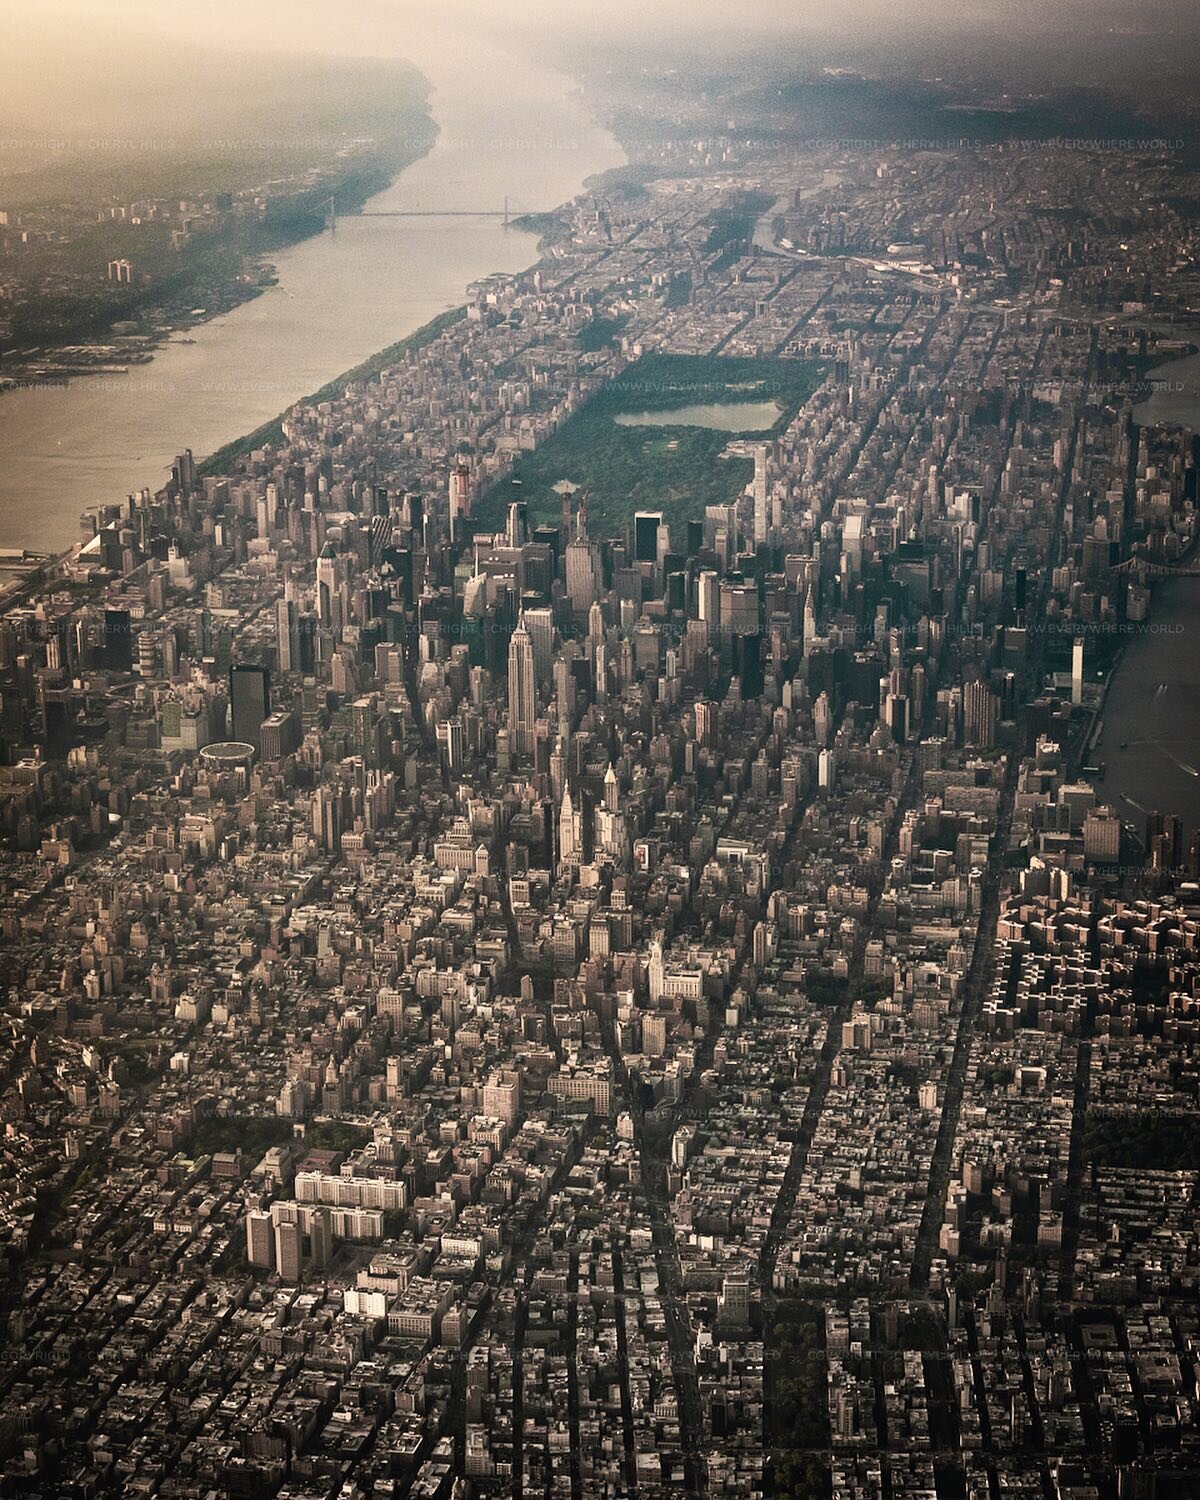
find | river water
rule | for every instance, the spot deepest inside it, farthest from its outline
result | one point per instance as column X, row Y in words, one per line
column 1176, row 395
column 1151, row 740
column 509, row 128
column 764, row 229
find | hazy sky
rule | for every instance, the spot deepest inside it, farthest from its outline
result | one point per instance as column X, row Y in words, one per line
column 394, row 26
column 58, row 53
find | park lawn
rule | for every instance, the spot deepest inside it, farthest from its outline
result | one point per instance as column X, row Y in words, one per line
column 675, row 469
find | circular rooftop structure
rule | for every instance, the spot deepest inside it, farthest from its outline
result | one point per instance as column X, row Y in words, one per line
column 228, row 755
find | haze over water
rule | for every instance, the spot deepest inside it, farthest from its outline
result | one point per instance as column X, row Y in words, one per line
column 508, row 128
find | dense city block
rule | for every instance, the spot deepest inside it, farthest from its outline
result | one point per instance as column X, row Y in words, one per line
column 563, row 930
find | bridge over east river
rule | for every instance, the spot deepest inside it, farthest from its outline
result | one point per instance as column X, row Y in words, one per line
column 1146, row 568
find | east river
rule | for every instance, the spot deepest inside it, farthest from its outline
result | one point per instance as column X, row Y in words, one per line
column 508, row 129
column 1151, row 739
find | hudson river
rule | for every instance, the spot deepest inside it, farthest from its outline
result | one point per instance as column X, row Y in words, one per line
column 509, row 128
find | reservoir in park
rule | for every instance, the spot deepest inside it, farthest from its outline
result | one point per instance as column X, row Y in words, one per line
column 718, row 416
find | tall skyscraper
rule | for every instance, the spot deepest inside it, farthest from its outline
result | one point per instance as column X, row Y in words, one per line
column 460, row 499
column 570, row 832
column 583, row 573
column 708, row 723
column 822, row 719
column 260, row 1241
column 118, row 640
column 1164, row 840
column 450, row 738
column 645, row 535
column 289, row 1250
column 502, row 1097
column 1102, row 836
column 249, row 702
column 280, row 735
column 981, row 713
column 183, row 471
column 518, row 523
column 540, row 625
column 287, row 628
column 762, row 513
column 739, row 609
column 708, row 601
column 328, row 579
column 522, row 690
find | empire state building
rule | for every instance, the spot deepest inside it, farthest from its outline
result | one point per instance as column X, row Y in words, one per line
column 522, row 695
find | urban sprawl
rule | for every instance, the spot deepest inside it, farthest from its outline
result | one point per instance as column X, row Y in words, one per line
column 508, row 998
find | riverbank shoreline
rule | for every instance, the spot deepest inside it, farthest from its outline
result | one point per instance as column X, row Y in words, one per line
column 248, row 277
column 1106, row 730
column 549, row 227
column 345, row 303
column 214, row 464
column 1158, row 376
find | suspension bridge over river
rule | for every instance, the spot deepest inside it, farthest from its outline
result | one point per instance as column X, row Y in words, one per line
column 505, row 214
